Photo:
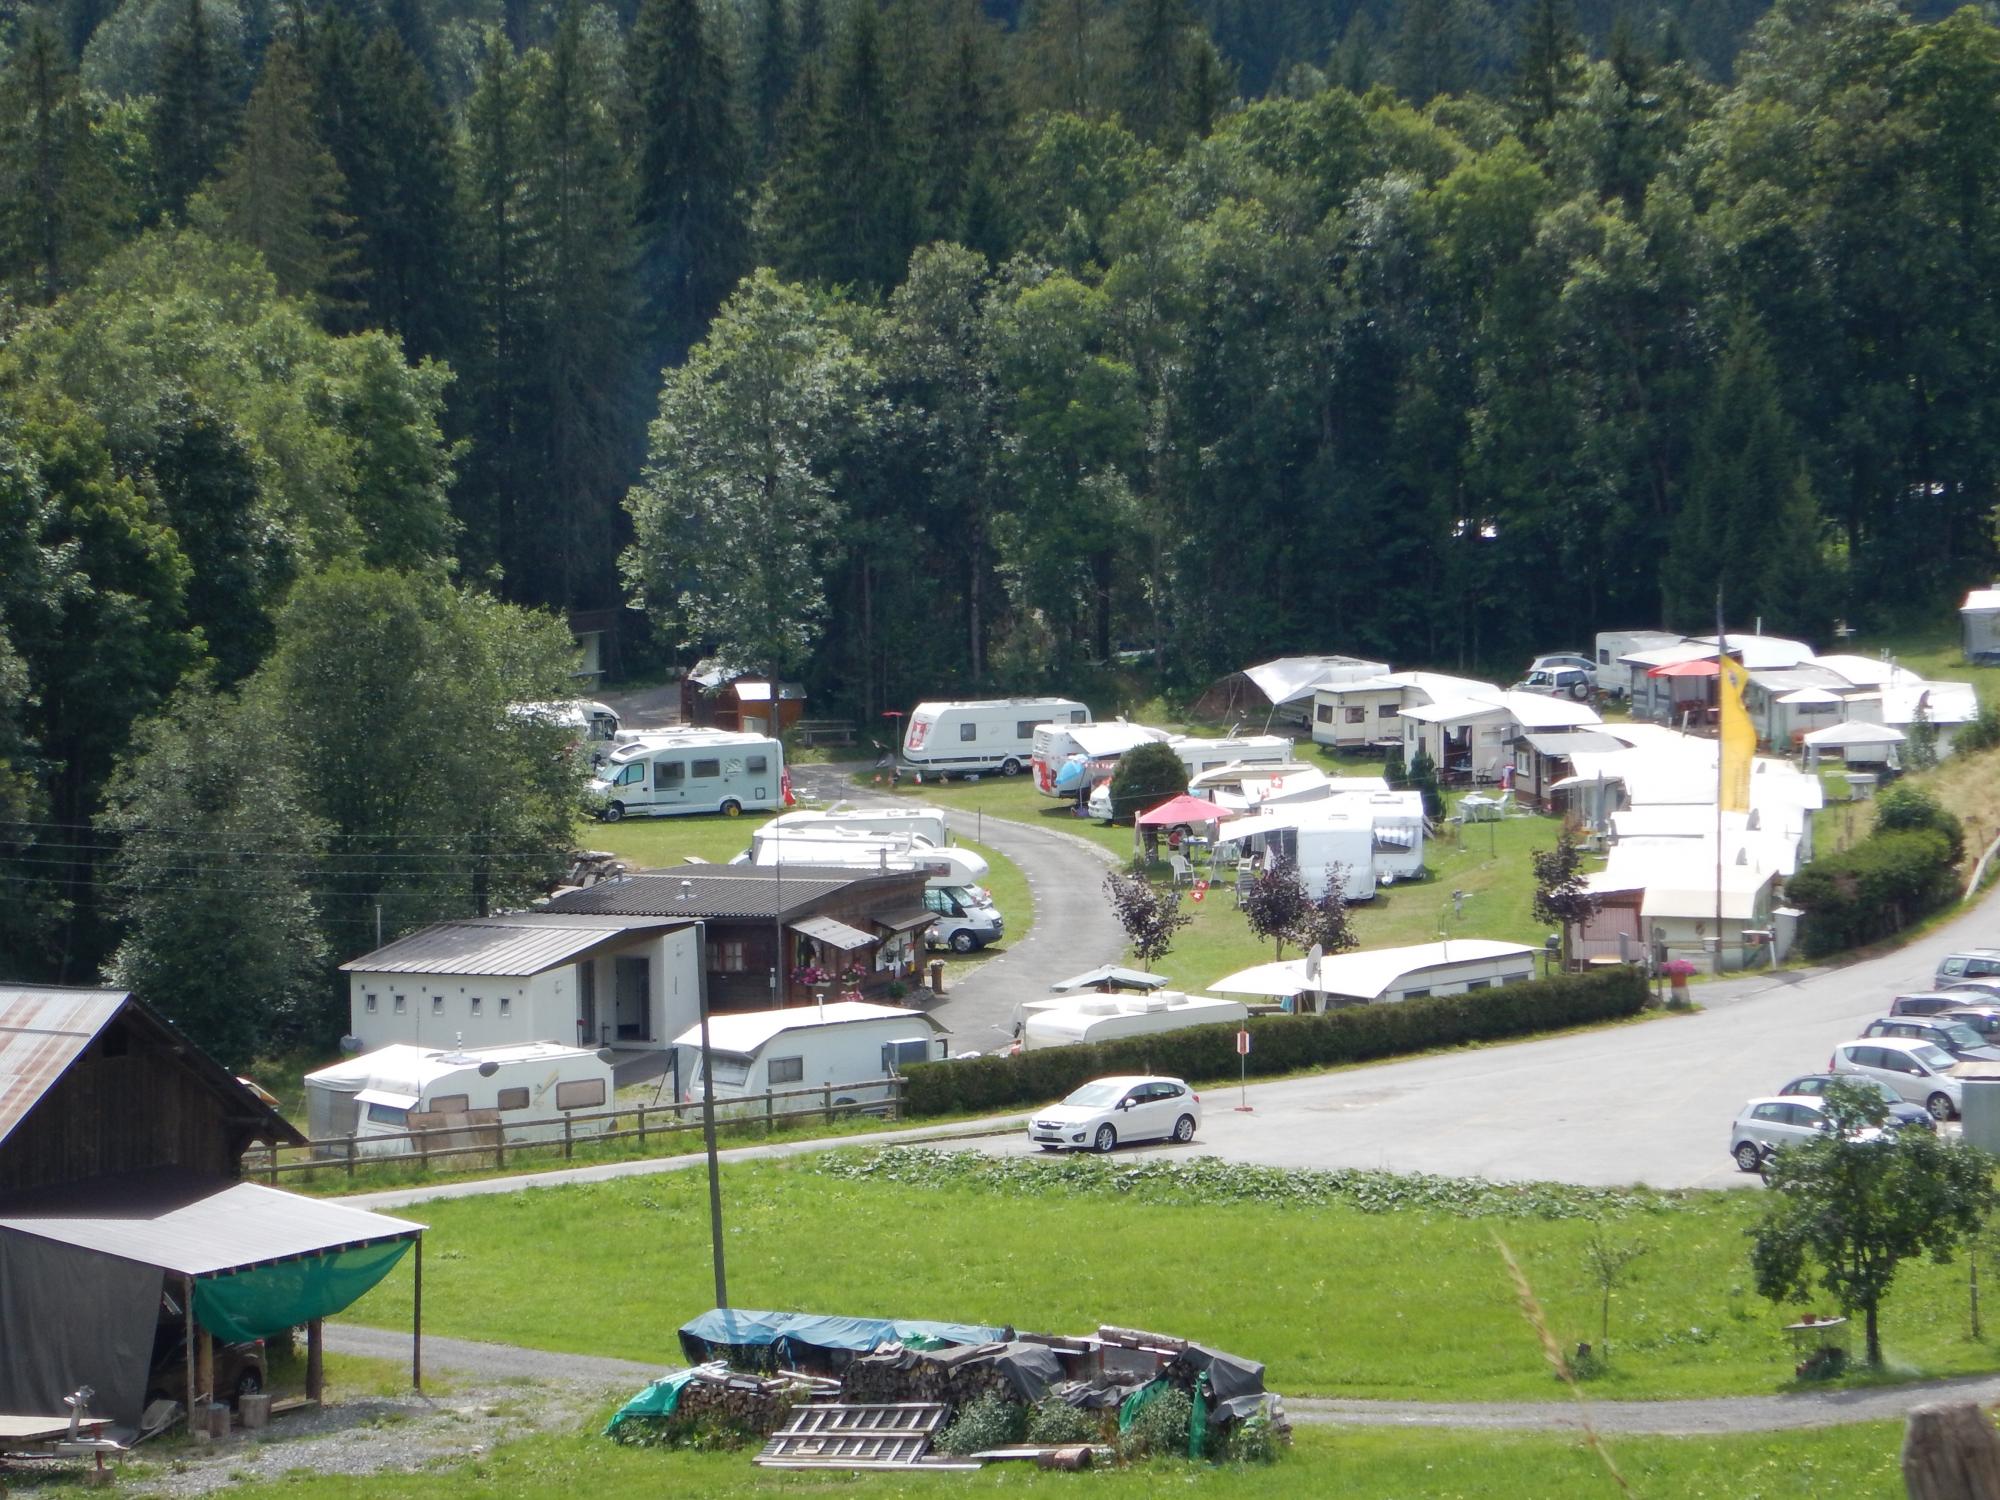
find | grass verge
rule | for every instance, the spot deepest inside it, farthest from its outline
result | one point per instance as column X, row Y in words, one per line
column 1325, row 1292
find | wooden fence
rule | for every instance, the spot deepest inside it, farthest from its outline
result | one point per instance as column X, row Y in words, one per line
column 489, row 1138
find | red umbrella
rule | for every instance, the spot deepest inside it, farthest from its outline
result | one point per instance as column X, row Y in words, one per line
column 1183, row 809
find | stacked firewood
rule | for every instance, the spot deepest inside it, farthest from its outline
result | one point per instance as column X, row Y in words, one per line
column 893, row 1373
column 718, row 1397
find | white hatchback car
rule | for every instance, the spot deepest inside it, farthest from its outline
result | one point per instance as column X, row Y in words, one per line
column 1919, row 1071
column 1106, row 1111
column 1778, row 1121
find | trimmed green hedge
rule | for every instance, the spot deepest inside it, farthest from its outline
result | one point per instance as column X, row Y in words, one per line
column 1874, row 890
column 1281, row 1044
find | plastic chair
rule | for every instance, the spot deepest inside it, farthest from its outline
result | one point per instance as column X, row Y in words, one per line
column 1183, row 871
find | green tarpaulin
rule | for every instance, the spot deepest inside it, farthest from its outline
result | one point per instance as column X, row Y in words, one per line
column 657, row 1400
column 257, row 1303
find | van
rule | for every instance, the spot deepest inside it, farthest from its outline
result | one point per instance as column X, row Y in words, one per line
column 967, row 919
column 992, row 734
column 845, row 1044
column 669, row 774
column 1973, row 963
column 532, row 1086
column 593, row 727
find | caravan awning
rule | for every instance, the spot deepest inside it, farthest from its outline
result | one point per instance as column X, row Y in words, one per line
column 1396, row 838
column 834, row 934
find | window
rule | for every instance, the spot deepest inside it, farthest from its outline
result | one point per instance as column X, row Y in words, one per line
column 668, row 773
column 1357, row 716
column 968, row 732
column 1768, row 1112
column 1323, row 712
column 728, row 1070
column 368, row 1004
column 401, row 1004
column 1024, row 729
column 785, row 1070
column 506, row 1005
column 437, row 1005
column 388, row 1114
column 584, row 1093
column 513, row 1098
column 759, row 765
column 728, row 957
column 1416, row 994
column 1387, row 710
column 1079, row 716
column 632, row 775
column 451, row 1104
column 478, row 1005
column 1478, row 984
column 705, row 770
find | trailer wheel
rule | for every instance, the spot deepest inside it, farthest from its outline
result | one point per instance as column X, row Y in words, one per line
column 1010, row 767
column 613, row 811
column 732, row 808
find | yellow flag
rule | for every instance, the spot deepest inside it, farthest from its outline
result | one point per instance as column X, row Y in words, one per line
column 1739, row 737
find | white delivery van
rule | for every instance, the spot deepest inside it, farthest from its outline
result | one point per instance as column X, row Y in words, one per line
column 593, row 726
column 533, row 1085
column 665, row 774
column 931, row 824
column 1068, row 757
column 850, row 1044
column 966, row 917
column 1200, row 755
column 1104, row 1018
column 993, row 734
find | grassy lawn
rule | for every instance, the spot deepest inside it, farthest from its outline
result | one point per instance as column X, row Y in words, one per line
column 1324, row 1294
column 1857, row 1462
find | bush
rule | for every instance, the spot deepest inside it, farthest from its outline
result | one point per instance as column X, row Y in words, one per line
column 1902, row 807
column 1890, row 879
column 1251, row 1441
column 990, row 1421
column 1983, row 733
column 1160, row 1428
column 1283, row 1044
column 1147, row 775
column 1054, row 1423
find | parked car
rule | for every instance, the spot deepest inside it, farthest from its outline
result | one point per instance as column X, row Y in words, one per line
column 1927, row 1003
column 1556, row 659
column 1984, row 1019
column 1973, row 963
column 1559, row 682
column 1955, row 1037
column 1979, row 991
column 1918, row 1071
column 1901, row 1111
column 1779, row 1122
column 1105, row 1111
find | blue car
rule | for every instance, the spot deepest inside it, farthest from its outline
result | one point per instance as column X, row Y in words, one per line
column 1901, row 1111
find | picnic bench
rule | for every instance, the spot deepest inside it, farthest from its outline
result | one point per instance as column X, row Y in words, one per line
column 815, row 732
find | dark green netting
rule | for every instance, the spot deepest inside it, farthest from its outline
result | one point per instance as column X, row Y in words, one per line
column 257, row 1303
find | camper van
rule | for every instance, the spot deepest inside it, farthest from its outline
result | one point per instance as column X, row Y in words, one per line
column 932, row 824
column 1103, row 1018
column 996, row 734
column 532, row 1086
column 593, row 726
column 666, row 774
column 849, row 1042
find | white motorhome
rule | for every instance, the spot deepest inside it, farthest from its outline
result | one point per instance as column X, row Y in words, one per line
column 994, row 734
column 966, row 916
column 702, row 772
column 531, row 1085
column 1614, row 673
column 593, row 726
column 1101, row 1018
column 1067, row 758
column 931, row 824
column 851, row 1043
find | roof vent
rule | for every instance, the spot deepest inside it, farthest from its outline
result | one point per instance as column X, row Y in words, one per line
column 687, row 890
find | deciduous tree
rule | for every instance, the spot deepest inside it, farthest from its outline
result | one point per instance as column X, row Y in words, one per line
column 1150, row 915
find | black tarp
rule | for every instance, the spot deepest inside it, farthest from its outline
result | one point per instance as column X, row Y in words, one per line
column 71, row 1317
column 1235, row 1385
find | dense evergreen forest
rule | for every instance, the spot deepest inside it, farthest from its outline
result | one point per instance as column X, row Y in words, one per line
column 911, row 345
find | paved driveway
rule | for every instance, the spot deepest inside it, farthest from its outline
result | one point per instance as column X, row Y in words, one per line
column 1649, row 1103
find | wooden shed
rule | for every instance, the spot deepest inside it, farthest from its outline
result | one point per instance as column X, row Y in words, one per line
column 717, row 696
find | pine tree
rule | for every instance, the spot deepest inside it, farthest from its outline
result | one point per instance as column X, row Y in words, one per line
column 1549, row 69
column 195, row 108
column 59, row 199
column 812, row 30
column 1152, row 92
column 281, row 193
column 963, row 135
column 689, row 218
column 773, row 71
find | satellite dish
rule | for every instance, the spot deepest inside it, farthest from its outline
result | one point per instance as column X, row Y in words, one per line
column 1313, row 956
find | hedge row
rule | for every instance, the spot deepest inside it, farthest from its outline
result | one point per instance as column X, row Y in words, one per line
column 1281, row 1044
column 1874, row 890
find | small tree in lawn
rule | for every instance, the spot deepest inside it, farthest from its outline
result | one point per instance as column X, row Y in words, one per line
column 1920, row 752
column 1150, row 915
column 1422, row 776
column 1276, row 902
column 1610, row 1267
column 1147, row 775
column 1326, row 922
column 1844, row 1213
column 1560, row 895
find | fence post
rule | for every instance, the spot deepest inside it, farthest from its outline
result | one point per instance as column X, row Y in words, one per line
column 274, row 1164
column 642, row 1130
column 770, row 1110
column 568, row 1138
column 424, row 1150
column 350, row 1156
column 827, row 1102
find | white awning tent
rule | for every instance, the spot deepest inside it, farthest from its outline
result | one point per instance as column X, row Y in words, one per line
column 1840, row 736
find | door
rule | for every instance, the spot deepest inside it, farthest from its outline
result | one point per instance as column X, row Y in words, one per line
column 634, row 982
column 670, row 792
column 586, row 1004
column 703, row 787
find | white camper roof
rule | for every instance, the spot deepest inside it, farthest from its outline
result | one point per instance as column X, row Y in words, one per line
column 1075, row 1015
column 1981, row 600
column 1111, row 738
column 1287, row 678
column 1366, row 975
column 745, row 1032
column 414, row 1068
column 941, row 705
column 1756, row 651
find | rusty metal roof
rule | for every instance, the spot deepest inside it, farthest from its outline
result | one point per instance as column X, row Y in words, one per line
column 521, row 943
column 43, row 1031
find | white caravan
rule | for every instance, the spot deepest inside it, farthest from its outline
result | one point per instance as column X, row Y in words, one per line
column 1614, row 674
column 932, row 824
column 1104, row 1018
column 593, row 726
column 1317, row 837
column 531, row 1084
column 1067, row 758
column 994, row 734
column 701, row 772
column 850, row 1043
column 1200, row 755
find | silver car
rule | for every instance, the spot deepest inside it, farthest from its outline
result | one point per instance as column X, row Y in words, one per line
column 1776, row 1122
column 1106, row 1111
column 1919, row 1071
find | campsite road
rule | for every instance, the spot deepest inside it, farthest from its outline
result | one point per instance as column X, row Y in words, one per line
column 1073, row 927
column 1648, row 1103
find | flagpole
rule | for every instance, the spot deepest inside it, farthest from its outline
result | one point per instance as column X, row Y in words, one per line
column 1721, row 769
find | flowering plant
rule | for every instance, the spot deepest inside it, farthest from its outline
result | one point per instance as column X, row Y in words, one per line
column 811, row 974
column 1677, row 968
